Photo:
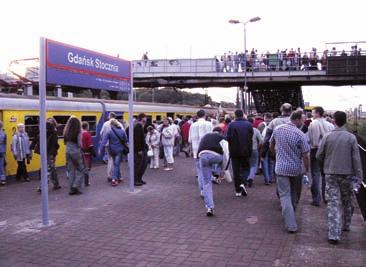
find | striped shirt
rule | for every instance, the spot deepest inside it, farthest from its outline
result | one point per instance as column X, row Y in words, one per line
column 290, row 145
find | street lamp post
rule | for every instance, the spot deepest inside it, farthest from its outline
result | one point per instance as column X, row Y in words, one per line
column 234, row 21
column 360, row 111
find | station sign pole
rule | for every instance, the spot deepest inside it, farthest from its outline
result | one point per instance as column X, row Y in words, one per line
column 130, row 136
column 42, row 130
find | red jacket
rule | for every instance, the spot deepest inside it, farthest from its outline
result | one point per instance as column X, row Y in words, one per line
column 257, row 121
column 86, row 140
column 185, row 131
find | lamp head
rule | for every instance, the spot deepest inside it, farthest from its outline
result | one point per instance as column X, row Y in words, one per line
column 234, row 21
column 254, row 19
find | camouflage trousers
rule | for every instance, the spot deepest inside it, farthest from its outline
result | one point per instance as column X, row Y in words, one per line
column 340, row 208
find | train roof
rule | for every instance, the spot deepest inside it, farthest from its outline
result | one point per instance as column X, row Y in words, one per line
column 16, row 102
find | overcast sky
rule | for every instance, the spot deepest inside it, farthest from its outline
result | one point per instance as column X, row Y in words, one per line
column 184, row 29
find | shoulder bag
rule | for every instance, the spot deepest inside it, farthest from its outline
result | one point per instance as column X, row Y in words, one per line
column 126, row 149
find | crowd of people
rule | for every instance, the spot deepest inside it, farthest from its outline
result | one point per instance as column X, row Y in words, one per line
column 285, row 60
column 288, row 148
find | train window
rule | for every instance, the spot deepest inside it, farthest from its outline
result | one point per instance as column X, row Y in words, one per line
column 31, row 126
column 148, row 119
column 92, row 120
column 61, row 122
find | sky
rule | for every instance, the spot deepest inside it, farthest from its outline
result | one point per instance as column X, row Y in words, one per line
column 186, row 29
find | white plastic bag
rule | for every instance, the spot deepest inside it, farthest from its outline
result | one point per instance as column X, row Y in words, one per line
column 227, row 176
column 150, row 153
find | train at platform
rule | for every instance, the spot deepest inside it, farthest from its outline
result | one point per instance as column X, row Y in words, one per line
column 22, row 109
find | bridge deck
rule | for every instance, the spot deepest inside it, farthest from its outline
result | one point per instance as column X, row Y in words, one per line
column 163, row 224
column 232, row 79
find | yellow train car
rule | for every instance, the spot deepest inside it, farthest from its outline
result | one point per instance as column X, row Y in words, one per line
column 19, row 109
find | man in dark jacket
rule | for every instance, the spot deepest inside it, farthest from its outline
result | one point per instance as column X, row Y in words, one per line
column 52, row 148
column 140, row 149
column 239, row 135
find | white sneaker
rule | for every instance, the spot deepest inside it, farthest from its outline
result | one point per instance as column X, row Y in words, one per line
column 238, row 194
column 243, row 190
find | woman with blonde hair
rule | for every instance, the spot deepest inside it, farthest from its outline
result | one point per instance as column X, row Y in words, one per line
column 74, row 159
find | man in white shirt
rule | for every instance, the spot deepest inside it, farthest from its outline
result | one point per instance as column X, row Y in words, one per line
column 198, row 130
column 317, row 130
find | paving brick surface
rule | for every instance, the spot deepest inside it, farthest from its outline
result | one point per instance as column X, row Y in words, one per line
column 164, row 224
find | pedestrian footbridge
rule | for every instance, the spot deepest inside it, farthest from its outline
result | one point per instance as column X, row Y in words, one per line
column 269, row 85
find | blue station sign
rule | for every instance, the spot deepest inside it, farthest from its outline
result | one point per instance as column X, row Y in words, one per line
column 74, row 66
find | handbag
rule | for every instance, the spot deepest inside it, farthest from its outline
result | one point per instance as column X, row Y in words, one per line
column 227, row 176
column 226, row 173
column 150, row 152
column 126, row 149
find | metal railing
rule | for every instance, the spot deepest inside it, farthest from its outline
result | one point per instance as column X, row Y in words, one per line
column 269, row 63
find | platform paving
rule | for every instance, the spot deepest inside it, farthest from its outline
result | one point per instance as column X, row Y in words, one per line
column 164, row 224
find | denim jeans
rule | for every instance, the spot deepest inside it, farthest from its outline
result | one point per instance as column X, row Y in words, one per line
column 198, row 173
column 116, row 174
column 216, row 169
column 315, row 176
column 253, row 161
column 110, row 165
column 2, row 169
column 287, row 192
column 75, row 167
column 268, row 168
column 206, row 162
